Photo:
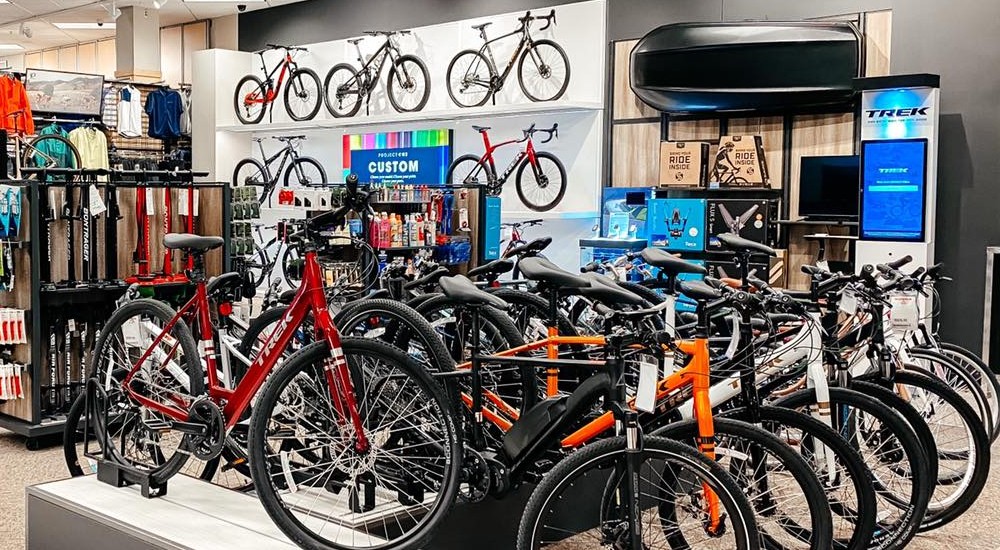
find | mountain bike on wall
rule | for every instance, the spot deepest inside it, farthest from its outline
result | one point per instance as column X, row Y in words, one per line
column 408, row 85
column 542, row 67
column 540, row 188
column 302, row 93
column 302, row 170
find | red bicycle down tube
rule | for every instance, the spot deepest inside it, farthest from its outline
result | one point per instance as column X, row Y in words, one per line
column 530, row 150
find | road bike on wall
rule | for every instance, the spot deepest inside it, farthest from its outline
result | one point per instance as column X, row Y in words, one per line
column 302, row 94
column 542, row 66
column 540, row 188
column 302, row 170
column 408, row 84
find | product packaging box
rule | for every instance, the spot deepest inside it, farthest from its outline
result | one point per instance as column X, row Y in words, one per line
column 727, row 269
column 627, row 207
column 747, row 218
column 740, row 162
column 677, row 224
column 683, row 163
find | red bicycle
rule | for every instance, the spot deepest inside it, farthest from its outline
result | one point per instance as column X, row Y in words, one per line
column 540, row 188
column 303, row 94
column 350, row 443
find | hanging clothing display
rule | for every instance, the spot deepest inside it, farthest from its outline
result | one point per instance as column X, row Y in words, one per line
column 129, row 112
column 58, row 151
column 92, row 145
column 164, row 107
column 15, row 107
column 186, row 112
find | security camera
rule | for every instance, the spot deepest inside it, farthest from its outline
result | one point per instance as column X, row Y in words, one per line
column 241, row 7
column 100, row 23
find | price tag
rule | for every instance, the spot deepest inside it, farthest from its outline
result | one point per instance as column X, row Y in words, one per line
column 848, row 302
column 645, row 398
column 904, row 315
column 150, row 205
column 734, row 342
column 97, row 206
column 130, row 329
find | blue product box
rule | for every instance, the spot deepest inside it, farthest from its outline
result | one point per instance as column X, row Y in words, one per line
column 677, row 224
column 627, row 207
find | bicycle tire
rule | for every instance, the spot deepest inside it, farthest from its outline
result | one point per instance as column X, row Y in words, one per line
column 739, row 511
column 479, row 59
column 820, row 529
column 304, row 161
column 913, row 450
column 268, row 399
column 261, row 181
column 240, row 96
column 521, row 184
column 981, row 371
column 956, row 377
column 291, row 266
column 196, row 378
column 483, row 167
column 535, row 306
column 75, row 161
column 331, row 103
column 391, row 84
column 861, row 524
column 520, row 69
column 258, row 270
column 298, row 75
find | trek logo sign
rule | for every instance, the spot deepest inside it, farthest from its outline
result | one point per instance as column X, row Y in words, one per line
column 417, row 165
column 897, row 113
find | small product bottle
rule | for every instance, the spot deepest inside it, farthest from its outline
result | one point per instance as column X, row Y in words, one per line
column 385, row 228
column 406, row 230
column 430, row 231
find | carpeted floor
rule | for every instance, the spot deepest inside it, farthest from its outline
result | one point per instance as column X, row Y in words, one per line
column 979, row 529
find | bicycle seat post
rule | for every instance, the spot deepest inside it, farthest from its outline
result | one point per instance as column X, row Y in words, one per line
column 477, row 379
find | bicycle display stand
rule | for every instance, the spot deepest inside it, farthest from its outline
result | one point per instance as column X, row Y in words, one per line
column 67, row 292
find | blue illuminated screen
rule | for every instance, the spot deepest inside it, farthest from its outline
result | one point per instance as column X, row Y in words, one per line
column 893, row 189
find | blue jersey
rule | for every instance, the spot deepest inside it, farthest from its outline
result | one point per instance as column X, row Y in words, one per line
column 164, row 107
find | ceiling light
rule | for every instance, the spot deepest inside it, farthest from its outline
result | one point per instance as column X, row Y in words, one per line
column 159, row 3
column 11, row 47
column 85, row 26
column 223, row 1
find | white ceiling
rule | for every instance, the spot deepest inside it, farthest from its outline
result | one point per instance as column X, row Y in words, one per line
column 39, row 16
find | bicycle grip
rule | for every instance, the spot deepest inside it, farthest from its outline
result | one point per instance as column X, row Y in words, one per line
column 896, row 264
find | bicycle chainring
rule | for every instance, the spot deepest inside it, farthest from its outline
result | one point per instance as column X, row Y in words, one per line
column 206, row 447
column 494, row 188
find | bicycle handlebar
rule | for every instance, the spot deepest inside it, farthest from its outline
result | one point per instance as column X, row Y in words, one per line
column 385, row 33
column 552, row 132
column 268, row 47
column 549, row 19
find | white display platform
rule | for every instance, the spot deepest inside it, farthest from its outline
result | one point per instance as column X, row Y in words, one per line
column 83, row 513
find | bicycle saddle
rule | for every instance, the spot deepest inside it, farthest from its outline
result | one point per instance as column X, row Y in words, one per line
column 531, row 248
column 187, row 241
column 460, row 288
column 258, row 139
column 482, row 26
column 698, row 291
column 355, row 41
column 670, row 264
column 605, row 290
column 431, row 278
column 739, row 244
column 289, row 138
column 544, row 271
column 480, row 129
column 496, row 267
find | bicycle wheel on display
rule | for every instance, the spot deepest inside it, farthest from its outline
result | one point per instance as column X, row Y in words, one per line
column 409, row 84
column 470, row 79
column 543, row 71
column 257, row 266
column 468, row 170
column 291, row 266
column 250, row 99
column 51, row 151
column 980, row 372
column 305, row 171
column 582, row 503
column 965, row 381
column 541, row 186
column 342, row 91
column 250, row 171
column 316, row 485
column 302, row 95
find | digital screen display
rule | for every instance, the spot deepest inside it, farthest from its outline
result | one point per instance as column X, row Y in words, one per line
column 893, row 188
column 418, row 157
column 829, row 187
column 60, row 92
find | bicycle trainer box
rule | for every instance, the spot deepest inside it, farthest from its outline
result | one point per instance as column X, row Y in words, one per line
column 742, row 166
column 747, row 218
column 677, row 224
column 683, row 163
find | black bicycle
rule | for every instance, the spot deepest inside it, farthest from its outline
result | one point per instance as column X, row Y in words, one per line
column 253, row 95
column 408, row 83
column 542, row 67
column 306, row 171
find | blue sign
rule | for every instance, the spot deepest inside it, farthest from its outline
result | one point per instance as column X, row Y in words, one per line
column 893, row 189
column 416, row 165
column 677, row 224
column 492, row 234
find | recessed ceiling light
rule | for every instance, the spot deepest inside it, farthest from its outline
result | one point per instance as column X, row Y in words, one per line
column 85, row 26
column 11, row 47
column 4, row 1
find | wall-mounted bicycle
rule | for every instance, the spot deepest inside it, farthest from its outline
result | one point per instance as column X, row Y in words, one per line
column 303, row 171
column 408, row 85
column 542, row 67
column 302, row 93
column 540, row 188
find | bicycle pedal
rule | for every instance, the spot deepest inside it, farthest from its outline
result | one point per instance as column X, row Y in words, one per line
column 233, row 464
column 156, row 425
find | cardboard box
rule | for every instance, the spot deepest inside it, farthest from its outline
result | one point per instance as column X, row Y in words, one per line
column 683, row 164
column 748, row 218
column 677, row 225
column 740, row 162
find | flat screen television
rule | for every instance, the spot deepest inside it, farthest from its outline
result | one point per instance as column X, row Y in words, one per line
column 61, row 92
column 829, row 187
column 893, row 190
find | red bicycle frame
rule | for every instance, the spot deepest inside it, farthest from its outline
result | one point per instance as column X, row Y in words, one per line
column 272, row 92
column 310, row 298
column 529, row 151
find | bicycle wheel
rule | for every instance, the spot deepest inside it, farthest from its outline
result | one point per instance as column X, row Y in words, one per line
column 543, row 186
column 530, row 314
column 980, row 372
column 397, row 324
column 468, row 170
column 841, row 470
column 578, row 505
column 317, row 488
column 409, row 84
column 964, row 381
column 305, row 171
column 257, row 265
column 543, row 71
column 291, row 266
column 961, row 441
column 790, row 505
column 251, row 171
column 302, row 94
column 892, row 453
column 52, row 151
column 170, row 374
column 470, row 79
column 342, row 91
column 250, row 99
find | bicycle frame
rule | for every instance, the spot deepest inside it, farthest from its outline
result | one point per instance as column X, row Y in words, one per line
column 310, row 298
column 387, row 51
column 286, row 153
column 528, row 151
column 286, row 65
column 487, row 51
